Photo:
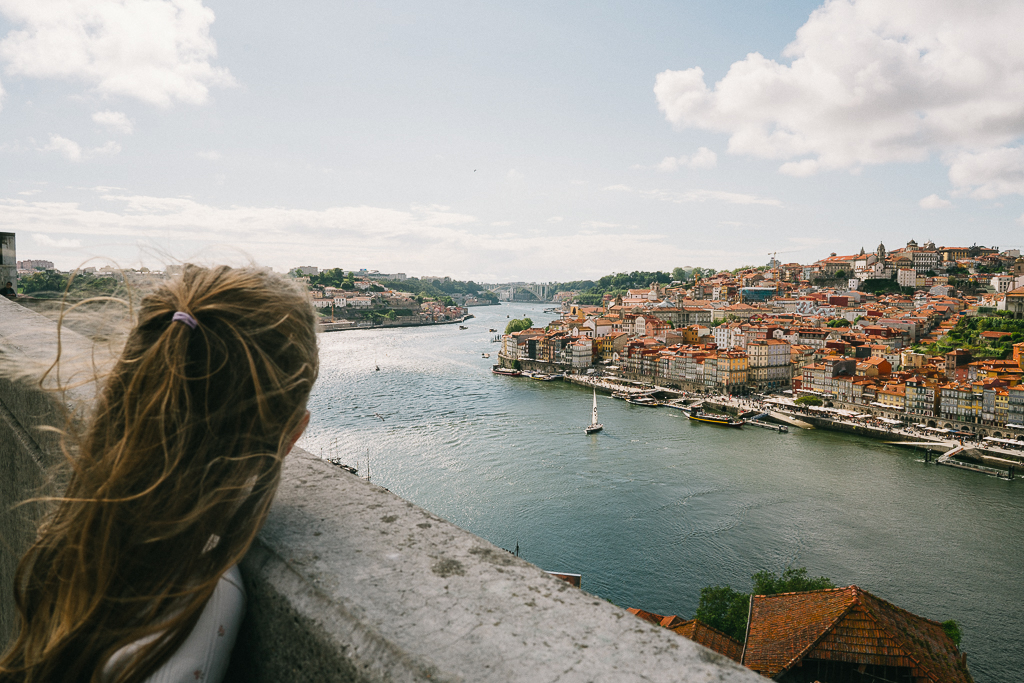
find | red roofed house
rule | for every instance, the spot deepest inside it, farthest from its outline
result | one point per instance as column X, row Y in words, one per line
column 697, row 631
column 847, row 634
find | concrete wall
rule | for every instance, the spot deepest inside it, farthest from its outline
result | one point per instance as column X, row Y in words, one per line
column 348, row 582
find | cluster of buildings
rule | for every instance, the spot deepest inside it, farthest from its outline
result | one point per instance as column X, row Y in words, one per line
column 847, row 346
column 368, row 297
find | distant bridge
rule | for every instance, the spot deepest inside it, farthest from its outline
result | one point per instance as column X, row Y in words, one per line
column 515, row 291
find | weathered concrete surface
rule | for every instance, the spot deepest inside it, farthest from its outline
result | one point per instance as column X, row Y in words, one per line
column 351, row 583
column 27, row 454
column 348, row 582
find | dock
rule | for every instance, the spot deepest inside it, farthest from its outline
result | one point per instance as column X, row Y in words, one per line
column 790, row 420
column 781, row 429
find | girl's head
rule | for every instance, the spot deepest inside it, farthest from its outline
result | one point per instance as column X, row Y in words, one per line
column 173, row 474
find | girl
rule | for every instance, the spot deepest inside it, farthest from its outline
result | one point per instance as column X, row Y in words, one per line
column 132, row 578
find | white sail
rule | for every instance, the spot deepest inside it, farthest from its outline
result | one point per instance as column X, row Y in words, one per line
column 594, row 421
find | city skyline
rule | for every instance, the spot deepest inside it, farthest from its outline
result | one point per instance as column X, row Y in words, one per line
column 501, row 144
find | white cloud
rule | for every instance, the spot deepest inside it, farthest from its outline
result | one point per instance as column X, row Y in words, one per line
column 157, row 51
column 47, row 241
column 703, row 158
column 110, row 148
column 934, row 201
column 699, row 196
column 117, row 120
column 210, row 155
column 555, row 219
column 29, row 193
column 669, row 164
column 69, row 148
column 990, row 173
column 73, row 151
column 513, row 174
column 872, row 82
column 421, row 239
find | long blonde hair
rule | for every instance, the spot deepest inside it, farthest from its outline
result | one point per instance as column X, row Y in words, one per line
column 171, row 477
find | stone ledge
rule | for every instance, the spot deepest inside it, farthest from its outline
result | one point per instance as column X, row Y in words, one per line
column 349, row 582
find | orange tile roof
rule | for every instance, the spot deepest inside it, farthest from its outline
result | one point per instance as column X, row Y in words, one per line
column 695, row 630
column 711, row 638
column 847, row 624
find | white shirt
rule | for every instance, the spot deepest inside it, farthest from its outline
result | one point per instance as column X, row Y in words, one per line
column 205, row 654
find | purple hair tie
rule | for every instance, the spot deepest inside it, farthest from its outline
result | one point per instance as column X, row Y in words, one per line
column 182, row 317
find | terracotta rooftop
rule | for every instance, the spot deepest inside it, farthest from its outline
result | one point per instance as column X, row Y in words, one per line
column 697, row 631
column 709, row 637
column 847, row 624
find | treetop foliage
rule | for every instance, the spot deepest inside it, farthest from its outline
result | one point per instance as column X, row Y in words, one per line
column 591, row 292
column 518, row 325
column 967, row 335
column 726, row 609
column 52, row 283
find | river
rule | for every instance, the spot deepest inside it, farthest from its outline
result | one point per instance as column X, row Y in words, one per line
column 657, row 506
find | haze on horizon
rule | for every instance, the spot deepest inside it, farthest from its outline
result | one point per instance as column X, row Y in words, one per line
column 492, row 142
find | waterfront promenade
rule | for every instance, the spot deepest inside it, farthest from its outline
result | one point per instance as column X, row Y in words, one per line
column 985, row 456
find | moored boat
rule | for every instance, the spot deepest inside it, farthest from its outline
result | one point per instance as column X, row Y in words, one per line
column 644, row 401
column 508, row 372
column 701, row 416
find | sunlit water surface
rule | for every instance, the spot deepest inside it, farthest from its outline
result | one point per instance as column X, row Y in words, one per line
column 656, row 506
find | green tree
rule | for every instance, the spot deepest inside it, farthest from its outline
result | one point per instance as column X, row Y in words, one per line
column 724, row 608
column 792, row 581
column 678, row 274
column 808, row 401
column 51, row 283
column 518, row 325
column 952, row 629
column 46, row 281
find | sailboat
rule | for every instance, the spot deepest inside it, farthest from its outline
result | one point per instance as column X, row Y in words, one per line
column 594, row 426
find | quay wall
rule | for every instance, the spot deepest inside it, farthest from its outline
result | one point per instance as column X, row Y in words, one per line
column 981, row 429
column 349, row 582
column 402, row 321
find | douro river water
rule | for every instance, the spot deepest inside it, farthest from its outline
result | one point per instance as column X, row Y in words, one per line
column 657, row 506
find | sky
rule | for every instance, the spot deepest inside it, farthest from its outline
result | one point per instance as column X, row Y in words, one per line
column 497, row 142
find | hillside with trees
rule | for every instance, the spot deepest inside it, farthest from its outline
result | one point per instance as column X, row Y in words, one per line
column 968, row 335
column 592, row 292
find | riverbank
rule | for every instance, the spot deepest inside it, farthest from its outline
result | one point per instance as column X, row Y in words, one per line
column 980, row 456
column 340, row 326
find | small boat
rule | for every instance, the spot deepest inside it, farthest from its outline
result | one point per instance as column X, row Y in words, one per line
column 679, row 406
column 463, row 327
column 594, row 426
column 644, row 401
column 701, row 416
column 508, row 372
column 485, row 355
column 492, row 330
